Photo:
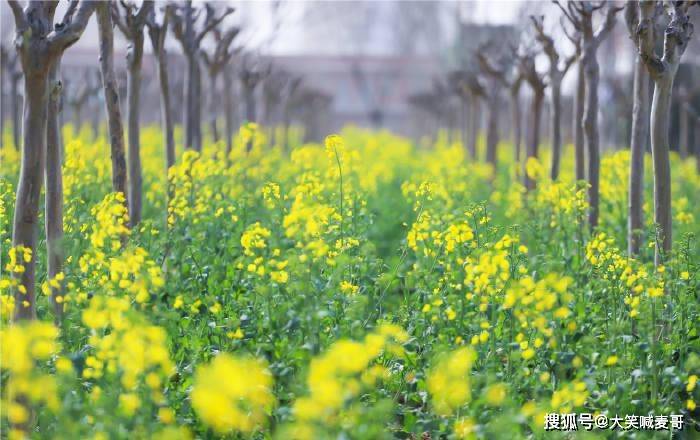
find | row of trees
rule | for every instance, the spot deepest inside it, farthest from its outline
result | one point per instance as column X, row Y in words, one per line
column 651, row 25
column 40, row 42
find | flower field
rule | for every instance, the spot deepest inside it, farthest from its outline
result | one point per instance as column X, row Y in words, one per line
column 367, row 288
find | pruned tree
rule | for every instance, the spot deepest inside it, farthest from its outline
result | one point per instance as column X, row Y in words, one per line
column 111, row 97
column 662, row 70
column 231, row 110
column 526, row 64
column 374, row 90
column 157, row 32
column 185, row 18
column 456, row 81
column 639, row 135
column 290, row 93
column 579, row 103
column 215, row 64
column 53, row 198
column 557, row 71
column 131, row 21
column 273, row 92
column 510, row 77
column 580, row 15
column 313, row 106
column 472, row 90
column 492, row 98
column 40, row 44
column 251, row 71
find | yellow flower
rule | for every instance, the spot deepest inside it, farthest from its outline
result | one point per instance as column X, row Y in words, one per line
column 448, row 380
column 166, row 415
column 129, row 403
column 465, row 429
column 496, row 394
column 528, row 354
column 233, row 394
column 612, row 360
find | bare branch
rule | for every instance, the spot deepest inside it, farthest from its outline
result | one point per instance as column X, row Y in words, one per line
column 607, row 24
column 68, row 16
column 567, row 13
column 645, row 40
column 211, row 22
column 632, row 18
column 20, row 19
column 120, row 20
column 69, row 34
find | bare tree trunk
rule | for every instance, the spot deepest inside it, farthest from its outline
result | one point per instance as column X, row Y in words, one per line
column 579, row 105
column 556, row 128
column 77, row 119
column 54, row 192
column 166, row 112
column 15, row 103
column 516, row 115
column 228, row 117
column 111, row 96
column 474, row 126
column 26, row 219
column 250, row 108
column 463, row 125
column 590, row 126
column 213, row 106
column 95, row 120
column 533, row 147
column 492, row 130
column 187, row 108
column 660, row 111
column 638, row 143
column 134, row 60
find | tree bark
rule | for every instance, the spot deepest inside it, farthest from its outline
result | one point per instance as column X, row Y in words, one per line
column 193, row 104
column 213, row 106
column 54, row 192
column 228, row 117
column 187, row 108
column 579, row 105
column 556, row 128
column 516, row 115
column 533, row 147
column 26, row 218
column 660, row 111
column 492, row 130
column 77, row 108
column 111, row 96
column 165, row 110
column 592, row 137
column 250, row 108
column 640, row 110
column 474, row 126
column 134, row 61
column 15, row 104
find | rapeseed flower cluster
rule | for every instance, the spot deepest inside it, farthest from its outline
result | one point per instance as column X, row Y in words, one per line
column 233, row 394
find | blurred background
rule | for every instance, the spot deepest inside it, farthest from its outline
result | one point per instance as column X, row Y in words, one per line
column 379, row 64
